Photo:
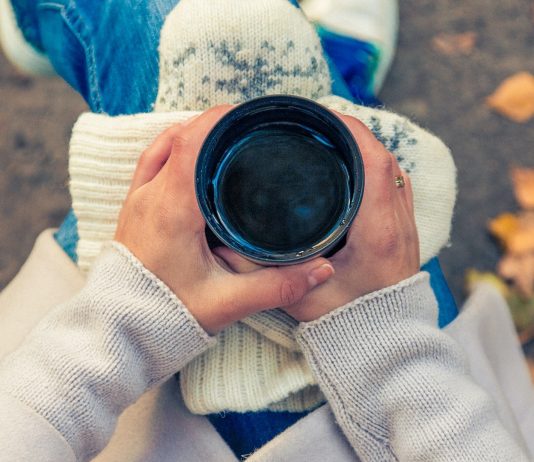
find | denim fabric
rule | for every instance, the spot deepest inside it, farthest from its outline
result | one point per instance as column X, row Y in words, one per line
column 67, row 235
column 116, row 73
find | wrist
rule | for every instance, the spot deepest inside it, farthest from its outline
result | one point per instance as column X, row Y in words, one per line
column 390, row 304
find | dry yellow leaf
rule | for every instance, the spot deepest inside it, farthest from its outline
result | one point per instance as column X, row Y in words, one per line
column 515, row 232
column 454, row 44
column 503, row 227
column 514, row 98
column 523, row 179
column 474, row 277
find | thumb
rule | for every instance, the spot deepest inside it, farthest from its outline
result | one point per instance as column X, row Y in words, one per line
column 236, row 262
column 273, row 287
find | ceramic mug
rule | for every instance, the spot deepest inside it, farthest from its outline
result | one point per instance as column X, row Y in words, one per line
column 279, row 179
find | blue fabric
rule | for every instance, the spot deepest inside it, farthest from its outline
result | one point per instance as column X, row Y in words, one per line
column 67, row 235
column 355, row 62
column 448, row 309
column 246, row 432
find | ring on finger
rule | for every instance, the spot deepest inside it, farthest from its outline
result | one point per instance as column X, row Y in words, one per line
column 399, row 181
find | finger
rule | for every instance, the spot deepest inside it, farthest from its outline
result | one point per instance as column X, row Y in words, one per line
column 236, row 262
column 404, row 193
column 372, row 151
column 178, row 175
column 399, row 173
column 154, row 157
column 379, row 164
column 379, row 198
column 273, row 287
column 186, row 147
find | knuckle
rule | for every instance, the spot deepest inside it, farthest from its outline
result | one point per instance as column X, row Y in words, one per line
column 385, row 164
column 143, row 158
column 180, row 142
column 290, row 292
column 173, row 129
column 388, row 242
column 353, row 123
column 287, row 293
column 171, row 132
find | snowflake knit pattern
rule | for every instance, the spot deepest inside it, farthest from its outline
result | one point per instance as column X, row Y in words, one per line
column 228, row 51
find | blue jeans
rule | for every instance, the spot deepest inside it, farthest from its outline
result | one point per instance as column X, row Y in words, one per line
column 107, row 51
column 117, row 72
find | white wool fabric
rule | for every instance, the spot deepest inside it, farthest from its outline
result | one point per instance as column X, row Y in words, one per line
column 225, row 52
column 256, row 363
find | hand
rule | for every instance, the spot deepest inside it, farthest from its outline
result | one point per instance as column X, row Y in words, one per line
column 161, row 224
column 382, row 246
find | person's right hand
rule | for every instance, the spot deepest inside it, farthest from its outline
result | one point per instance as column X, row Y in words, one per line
column 161, row 224
column 382, row 245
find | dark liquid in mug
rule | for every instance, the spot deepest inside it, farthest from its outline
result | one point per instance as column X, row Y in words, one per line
column 281, row 188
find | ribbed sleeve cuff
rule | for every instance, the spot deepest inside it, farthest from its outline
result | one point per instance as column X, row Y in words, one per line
column 183, row 337
column 409, row 298
column 92, row 357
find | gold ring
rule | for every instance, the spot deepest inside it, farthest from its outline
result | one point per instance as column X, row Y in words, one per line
column 399, row 181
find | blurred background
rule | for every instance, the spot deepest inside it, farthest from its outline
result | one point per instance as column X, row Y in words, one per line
column 451, row 56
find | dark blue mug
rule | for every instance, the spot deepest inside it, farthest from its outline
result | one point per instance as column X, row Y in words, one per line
column 279, row 179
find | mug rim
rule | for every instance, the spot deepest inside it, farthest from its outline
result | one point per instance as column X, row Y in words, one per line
column 247, row 109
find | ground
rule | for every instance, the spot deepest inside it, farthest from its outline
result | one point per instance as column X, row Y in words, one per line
column 444, row 94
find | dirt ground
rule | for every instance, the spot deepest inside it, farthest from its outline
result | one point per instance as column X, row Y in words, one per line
column 443, row 93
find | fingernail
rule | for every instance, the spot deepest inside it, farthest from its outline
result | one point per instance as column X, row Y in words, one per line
column 320, row 274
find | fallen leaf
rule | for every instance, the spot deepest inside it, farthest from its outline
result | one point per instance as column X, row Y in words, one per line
column 503, row 227
column 519, row 269
column 455, row 44
column 474, row 277
column 523, row 180
column 515, row 232
column 514, row 98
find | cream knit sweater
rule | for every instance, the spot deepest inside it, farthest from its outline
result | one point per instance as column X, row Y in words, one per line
column 211, row 52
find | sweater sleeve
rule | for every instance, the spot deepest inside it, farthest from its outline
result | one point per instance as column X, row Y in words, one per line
column 91, row 358
column 398, row 385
